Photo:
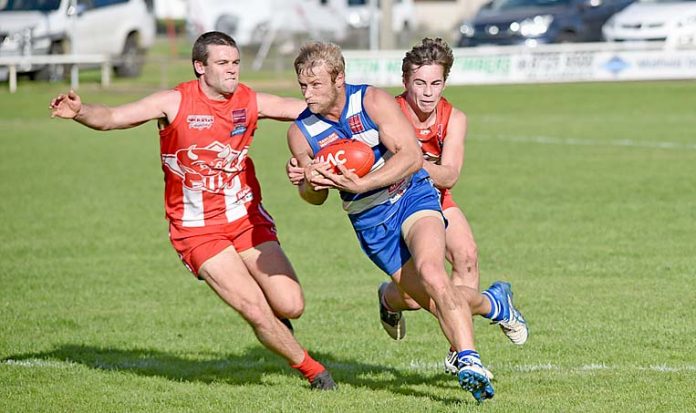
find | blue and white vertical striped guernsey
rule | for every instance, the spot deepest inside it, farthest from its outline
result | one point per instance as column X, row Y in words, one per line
column 370, row 208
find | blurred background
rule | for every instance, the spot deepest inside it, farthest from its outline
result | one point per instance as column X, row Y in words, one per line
column 581, row 194
column 498, row 41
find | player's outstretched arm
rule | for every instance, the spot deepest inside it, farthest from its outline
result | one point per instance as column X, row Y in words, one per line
column 279, row 108
column 301, row 151
column 163, row 104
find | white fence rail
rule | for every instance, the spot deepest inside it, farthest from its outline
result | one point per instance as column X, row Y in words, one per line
column 73, row 61
column 544, row 63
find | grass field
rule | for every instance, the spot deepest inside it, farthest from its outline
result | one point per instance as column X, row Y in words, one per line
column 581, row 195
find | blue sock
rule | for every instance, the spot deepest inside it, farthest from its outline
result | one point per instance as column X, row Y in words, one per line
column 462, row 355
column 495, row 307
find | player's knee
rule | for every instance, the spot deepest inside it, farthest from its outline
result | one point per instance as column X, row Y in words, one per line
column 433, row 275
column 291, row 309
column 465, row 258
column 287, row 304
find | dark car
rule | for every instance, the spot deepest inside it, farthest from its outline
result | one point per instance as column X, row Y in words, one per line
column 531, row 22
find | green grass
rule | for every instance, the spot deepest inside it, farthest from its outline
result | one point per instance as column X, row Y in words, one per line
column 582, row 195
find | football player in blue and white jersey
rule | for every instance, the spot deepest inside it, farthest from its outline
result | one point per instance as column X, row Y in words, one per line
column 395, row 210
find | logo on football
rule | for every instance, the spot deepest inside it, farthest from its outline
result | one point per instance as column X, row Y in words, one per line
column 356, row 156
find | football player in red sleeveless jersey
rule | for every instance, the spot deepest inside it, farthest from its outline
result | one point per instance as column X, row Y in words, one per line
column 212, row 197
column 441, row 131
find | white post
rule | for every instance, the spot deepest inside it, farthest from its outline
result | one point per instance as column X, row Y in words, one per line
column 73, row 43
column 386, row 38
column 74, row 76
column 106, row 73
column 13, row 78
column 374, row 25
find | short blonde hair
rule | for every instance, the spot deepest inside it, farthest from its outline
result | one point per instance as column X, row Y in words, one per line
column 313, row 54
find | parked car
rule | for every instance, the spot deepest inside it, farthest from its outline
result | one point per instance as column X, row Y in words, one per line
column 250, row 22
column 671, row 21
column 403, row 14
column 531, row 22
column 124, row 29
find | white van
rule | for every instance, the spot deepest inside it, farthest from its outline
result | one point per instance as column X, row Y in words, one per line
column 250, row 22
column 124, row 29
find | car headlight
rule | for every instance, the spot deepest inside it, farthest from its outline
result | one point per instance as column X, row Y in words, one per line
column 227, row 24
column 467, row 29
column 536, row 26
column 355, row 20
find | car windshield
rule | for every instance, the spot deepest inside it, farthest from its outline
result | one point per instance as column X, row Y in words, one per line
column 365, row 2
column 29, row 5
column 513, row 4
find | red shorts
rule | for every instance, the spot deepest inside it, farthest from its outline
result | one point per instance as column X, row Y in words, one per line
column 196, row 245
column 446, row 200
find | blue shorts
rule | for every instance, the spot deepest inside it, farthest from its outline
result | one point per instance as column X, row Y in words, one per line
column 383, row 242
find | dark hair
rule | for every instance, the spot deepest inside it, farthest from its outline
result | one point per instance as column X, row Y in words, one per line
column 428, row 52
column 200, row 47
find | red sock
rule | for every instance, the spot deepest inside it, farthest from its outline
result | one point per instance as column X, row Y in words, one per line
column 309, row 367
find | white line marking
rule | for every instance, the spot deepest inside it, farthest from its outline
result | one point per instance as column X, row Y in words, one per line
column 417, row 365
column 531, row 368
column 38, row 363
column 549, row 140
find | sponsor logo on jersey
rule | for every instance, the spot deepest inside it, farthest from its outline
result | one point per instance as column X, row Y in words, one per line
column 238, row 130
column 239, row 119
column 245, row 195
column 200, row 121
column 355, row 124
column 398, row 189
column 329, row 140
column 239, row 116
column 211, row 168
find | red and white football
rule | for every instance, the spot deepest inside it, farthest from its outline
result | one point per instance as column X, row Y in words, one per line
column 356, row 156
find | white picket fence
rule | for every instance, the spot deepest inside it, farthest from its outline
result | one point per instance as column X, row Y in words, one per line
column 70, row 60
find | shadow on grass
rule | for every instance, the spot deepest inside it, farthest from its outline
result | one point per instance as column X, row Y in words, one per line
column 244, row 369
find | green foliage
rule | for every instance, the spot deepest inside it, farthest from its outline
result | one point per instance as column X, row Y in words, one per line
column 580, row 195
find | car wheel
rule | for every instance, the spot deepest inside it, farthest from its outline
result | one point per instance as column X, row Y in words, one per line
column 566, row 37
column 52, row 73
column 131, row 60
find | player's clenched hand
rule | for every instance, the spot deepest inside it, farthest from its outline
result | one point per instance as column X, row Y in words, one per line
column 66, row 106
column 346, row 180
column 294, row 171
column 314, row 175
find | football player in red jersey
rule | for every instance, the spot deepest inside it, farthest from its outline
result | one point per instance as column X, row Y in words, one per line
column 217, row 223
column 441, row 132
